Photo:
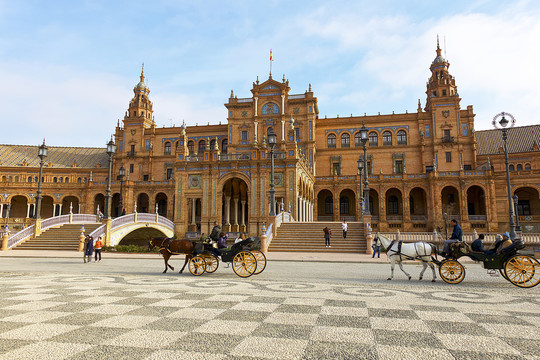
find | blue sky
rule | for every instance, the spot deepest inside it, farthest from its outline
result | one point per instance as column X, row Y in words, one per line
column 68, row 68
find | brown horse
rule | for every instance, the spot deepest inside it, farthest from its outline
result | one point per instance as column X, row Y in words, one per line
column 170, row 246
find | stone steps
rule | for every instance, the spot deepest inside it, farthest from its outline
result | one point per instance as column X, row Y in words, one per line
column 309, row 237
column 63, row 237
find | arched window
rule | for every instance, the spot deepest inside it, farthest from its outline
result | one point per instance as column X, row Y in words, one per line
column 345, row 140
column 511, row 168
column 527, row 166
column 328, row 205
column 54, row 179
column 357, row 139
column 79, row 180
column 331, row 141
column 60, row 179
column 387, row 138
column 202, row 146
column 167, row 148
column 212, row 144
column 29, row 179
column 66, row 179
column 191, row 146
column 373, row 139
column 519, row 167
column 402, row 137
column 224, row 145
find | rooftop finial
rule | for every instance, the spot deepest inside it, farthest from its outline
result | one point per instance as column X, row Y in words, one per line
column 309, row 88
column 142, row 72
column 438, row 47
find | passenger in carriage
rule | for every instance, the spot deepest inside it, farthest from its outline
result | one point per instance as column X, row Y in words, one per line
column 496, row 245
column 241, row 236
column 478, row 245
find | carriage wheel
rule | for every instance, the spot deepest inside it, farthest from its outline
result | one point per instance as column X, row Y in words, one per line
column 212, row 263
column 501, row 271
column 244, row 264
column 451, row 271
column 197, row 265
column 261, row 261
column 522, row 271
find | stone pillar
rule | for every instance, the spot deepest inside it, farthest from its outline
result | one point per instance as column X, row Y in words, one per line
column 256, row 105
column 59, row 209
column 335, row 216
column 256, row 131
column 54, row 210
column 227, row 210
column 264, row 249
column 193, row 211
column 5, row 239
column 282, row 130
column 242, row 220
column 282, row 104
column 81, row 242
column 235, row 200
column 1, row 210
column 27, row 210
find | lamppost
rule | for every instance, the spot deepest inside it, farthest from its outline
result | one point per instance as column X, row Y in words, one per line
column 121, row 174
column 111, row 149
column 364, row 138
column 271, row 135
column 515, row 198
column 501, row 122
column 42, row 153
column 361, row 170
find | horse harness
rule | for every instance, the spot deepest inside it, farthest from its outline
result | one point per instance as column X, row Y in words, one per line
column 161, row 247
column 398, row 252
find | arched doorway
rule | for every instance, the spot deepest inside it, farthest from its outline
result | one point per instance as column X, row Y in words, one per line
column 19, row 206
column 450, row 202
column 161, row 201
column 374, row 203
column 347, row 205
column 115, row 203
column 325, row 205
column 528, row 209
column 476, row 203
column 394, row 205
column 235, row 206
column 99, row 201
column 143, row 203
column 70, row 200
column 47, row 207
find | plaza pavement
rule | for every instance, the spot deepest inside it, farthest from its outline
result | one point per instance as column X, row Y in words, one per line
column 328, row 306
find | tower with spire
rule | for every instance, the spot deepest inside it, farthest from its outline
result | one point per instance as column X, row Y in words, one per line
column 441, row 86
column 140, row 109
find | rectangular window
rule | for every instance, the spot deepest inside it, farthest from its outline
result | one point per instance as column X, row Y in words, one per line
column 448, row 156
column 467, row 167
column 169, row 174
column 369, row 169
column 121, row 146
column 447, row 134
column 145, row 177
column 523, row 208
column 131, row 168
column 297, row 133
column 398, row 166
column 464, row 129
column 429, row 168
column 310, row 109
column 230, row 113
column 147, row 145
column 244, row 135
column 428, row 131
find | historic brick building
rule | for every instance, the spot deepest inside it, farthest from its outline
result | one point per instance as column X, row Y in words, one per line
column 421, row 165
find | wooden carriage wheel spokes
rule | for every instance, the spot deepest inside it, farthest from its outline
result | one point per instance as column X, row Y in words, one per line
column 212, row 263
column 261, row 261
column 451, row 271
column 197, row 265
column 244, row 264
column 522, row 271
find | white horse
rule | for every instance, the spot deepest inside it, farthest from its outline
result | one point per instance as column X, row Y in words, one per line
column 420, row 251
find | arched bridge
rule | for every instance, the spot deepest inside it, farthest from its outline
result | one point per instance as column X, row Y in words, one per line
column 120, row 227
column 126, row 224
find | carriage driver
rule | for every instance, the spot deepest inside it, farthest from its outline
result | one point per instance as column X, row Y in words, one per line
column 216, row 230
column 457, row 235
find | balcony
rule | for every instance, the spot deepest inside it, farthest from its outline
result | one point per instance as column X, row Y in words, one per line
column 195, row 158
column 234, row 157
column 448, row 140
column 420, row 218
column 131, row 153
column 477, row 217
column 394, row 218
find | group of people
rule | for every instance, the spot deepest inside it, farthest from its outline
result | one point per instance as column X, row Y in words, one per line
column 501, row 241
column 345, row 227
column 90, row 248
column 220, row 237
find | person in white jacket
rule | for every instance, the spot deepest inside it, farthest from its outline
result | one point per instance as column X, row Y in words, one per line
column 344, row 226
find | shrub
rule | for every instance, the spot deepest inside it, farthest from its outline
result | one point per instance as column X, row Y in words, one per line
column 129, row 249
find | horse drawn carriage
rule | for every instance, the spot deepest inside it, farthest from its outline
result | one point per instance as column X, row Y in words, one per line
column 517, row 267
column 245, row 260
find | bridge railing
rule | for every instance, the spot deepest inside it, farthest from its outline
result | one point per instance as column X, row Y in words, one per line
column 132, row 219
column 528, row 238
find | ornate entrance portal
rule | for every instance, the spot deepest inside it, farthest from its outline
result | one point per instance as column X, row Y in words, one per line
column 235, row 206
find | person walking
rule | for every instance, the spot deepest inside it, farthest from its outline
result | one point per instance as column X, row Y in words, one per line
column 85, row 246
column 457, row 235
column 327, row 235
column 89, row 249
column 376, row 246
column 97, row 247
column 344, row 227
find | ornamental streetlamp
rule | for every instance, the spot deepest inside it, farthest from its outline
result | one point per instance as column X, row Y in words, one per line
column 364, row 138
column 42, row 153
column 111, row 149
column 121, row 174
column 361, row 170
column 501, row 122
column 515, row 198
column 271, row 135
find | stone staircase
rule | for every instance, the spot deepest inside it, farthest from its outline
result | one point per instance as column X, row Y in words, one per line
column 63, row 237
column 309, row 237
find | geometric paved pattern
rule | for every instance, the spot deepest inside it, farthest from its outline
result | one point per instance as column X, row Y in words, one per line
column 146, row 317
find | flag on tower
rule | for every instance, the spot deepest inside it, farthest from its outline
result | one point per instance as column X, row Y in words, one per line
column 271, row 57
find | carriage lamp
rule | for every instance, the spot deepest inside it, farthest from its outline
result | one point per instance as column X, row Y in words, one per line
column 42, row 154
column 271, row 135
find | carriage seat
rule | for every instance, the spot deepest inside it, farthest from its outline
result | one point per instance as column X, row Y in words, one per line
column 514, row 246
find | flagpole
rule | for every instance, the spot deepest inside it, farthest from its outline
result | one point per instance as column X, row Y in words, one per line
column 270, row 62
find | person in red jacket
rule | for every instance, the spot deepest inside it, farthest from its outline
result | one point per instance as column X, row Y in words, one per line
column 97, row 248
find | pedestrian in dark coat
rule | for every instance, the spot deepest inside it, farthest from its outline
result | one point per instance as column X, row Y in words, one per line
column 89, row 249
column 327, row 234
